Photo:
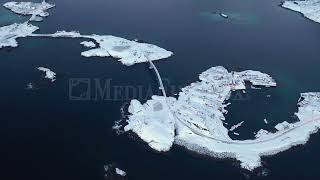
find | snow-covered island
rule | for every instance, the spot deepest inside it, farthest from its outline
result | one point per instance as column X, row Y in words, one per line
column 36, row 10
column 309, row 8
column 10, row 33
column 128, row 52
column 195, row 119
column 49, row 74
column 113, row 172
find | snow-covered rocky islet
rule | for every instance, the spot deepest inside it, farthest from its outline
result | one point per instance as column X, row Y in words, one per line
column 49, row 74
column 36, row 10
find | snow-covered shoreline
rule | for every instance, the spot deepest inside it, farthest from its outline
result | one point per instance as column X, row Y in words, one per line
column 195, row 119
column 309, row 8
column 9, row 34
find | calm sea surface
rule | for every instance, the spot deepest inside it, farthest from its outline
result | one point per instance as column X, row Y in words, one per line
column 45, row 135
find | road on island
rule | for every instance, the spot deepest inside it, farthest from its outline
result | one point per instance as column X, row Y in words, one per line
column 273, row 137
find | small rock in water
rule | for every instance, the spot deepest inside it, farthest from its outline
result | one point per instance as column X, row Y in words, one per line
column 224, row 15
column 49, row 74
column 112, row 172
column 120, row 172
column 237, row 134
column 118, row 127
column 30, row 86
column 236, row 126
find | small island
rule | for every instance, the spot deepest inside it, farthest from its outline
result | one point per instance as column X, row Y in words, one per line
column 128, row 52
column 36, row 10
column 49, row 74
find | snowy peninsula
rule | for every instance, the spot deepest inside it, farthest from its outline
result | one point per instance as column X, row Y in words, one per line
column 36, row 10
column 10, row 33
column 309, row 8
column 195, row 119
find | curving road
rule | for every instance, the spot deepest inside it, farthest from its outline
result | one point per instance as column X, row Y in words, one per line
column 274, row 136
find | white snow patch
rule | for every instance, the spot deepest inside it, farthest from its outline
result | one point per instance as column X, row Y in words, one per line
column 235, row 133
column 152, row 123
column 88, row 44
column 120, row 172
column 49, row 74
column 236, row 126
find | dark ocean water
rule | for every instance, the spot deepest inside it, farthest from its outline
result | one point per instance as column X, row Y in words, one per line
column 45, row 135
